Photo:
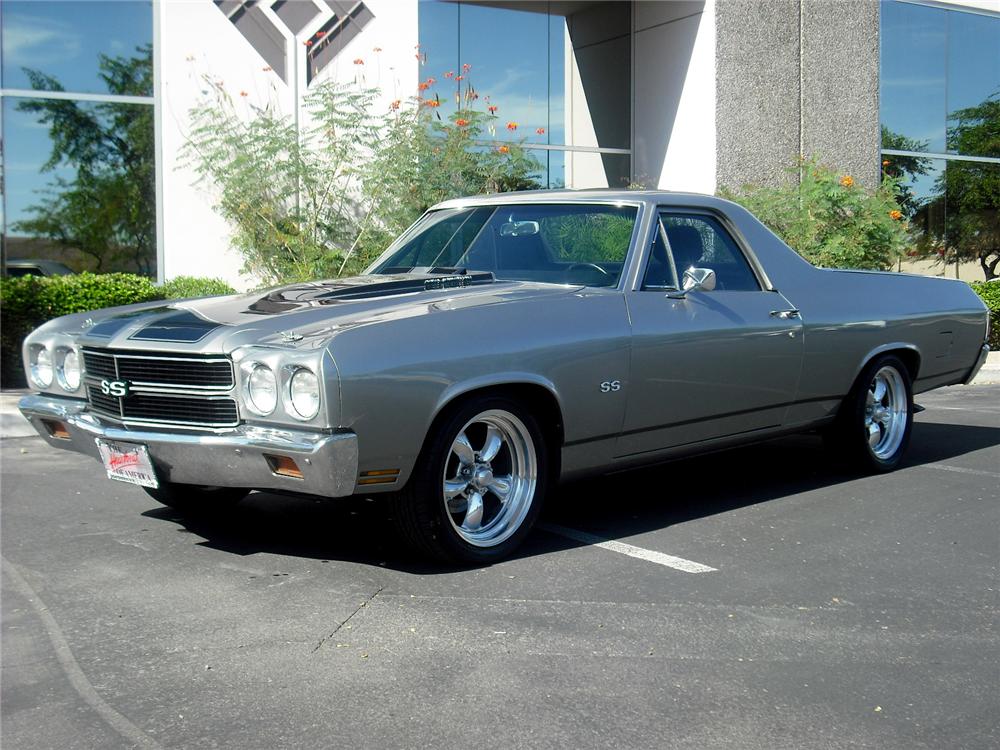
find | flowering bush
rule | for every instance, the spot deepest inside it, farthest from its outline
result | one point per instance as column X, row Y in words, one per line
column 829, row 219
column 324, row 199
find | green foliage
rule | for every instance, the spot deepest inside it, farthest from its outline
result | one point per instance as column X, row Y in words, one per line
column 325, row 199
column 829, row 219
column 107, row 211
column 990, row 293
column 182, row 287
column 27, row 302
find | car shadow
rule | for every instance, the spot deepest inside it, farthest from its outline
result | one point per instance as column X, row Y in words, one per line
column 624, row 504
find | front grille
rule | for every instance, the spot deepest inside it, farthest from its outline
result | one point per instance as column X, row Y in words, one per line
column 183, row 390
column 196, row 410
column 214, row 373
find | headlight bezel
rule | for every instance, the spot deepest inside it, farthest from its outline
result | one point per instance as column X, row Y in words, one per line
column 36, row 368
column 62, row 355
column 251, row 369
column 292, row 372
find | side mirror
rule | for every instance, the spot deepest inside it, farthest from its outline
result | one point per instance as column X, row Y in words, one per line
column 698, row 280
column 695, row 280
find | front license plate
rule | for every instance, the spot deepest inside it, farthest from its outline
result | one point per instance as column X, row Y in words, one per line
column 128, row 462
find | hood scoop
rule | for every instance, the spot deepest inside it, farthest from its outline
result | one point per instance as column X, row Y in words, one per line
column 365, row 287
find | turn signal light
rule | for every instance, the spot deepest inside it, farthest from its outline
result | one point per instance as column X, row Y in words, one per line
column 283, row 466
column 56, row 429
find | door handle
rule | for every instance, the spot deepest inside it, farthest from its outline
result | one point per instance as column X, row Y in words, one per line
column 785, row 314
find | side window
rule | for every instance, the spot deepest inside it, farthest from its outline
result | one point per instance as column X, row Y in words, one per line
column 659, row 271
column 701, row 241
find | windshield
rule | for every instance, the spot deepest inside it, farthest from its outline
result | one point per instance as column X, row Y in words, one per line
column 561, row 244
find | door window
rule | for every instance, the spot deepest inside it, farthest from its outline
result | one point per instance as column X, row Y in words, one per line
column 700, row 241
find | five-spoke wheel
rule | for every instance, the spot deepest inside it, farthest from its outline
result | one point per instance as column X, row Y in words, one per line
column 479, row 482
column 874, row 423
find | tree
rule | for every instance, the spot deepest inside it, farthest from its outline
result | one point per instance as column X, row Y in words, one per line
column 969, row 192
column 108, row 211
column 324, row 199
column 904, row 169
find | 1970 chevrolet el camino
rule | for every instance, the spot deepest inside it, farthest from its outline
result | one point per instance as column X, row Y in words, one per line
column 501, row 344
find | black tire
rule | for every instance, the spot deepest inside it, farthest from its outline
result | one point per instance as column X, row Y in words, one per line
column 849, row 435
column 424, row 517
column 195, row 498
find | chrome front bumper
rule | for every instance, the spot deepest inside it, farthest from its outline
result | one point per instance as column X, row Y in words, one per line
column 328, row 462
column 984, row 352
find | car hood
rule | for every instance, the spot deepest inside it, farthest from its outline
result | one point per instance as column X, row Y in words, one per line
column 297, row 316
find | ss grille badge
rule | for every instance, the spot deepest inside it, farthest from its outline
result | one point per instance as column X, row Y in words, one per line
column 116, row 388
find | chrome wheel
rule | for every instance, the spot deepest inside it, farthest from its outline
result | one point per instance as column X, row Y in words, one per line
column 490, row 478
column 886, row 412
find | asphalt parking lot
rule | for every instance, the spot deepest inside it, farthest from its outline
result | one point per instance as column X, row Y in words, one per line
column 827, row 610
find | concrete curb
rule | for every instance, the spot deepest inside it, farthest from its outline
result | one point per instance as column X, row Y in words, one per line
column 12, row 424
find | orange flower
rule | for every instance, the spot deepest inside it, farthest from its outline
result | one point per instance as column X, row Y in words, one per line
column 433, row 103
column 431, row 81
column 847, row 180
column 308, row 42
column 244, row 93
column 358, row 61
column 540, row 131
column 895, row 214
column 423, row 86
column 450, row 74
column 512, row 125
column 320, row 34
column 885, row 163
column 466, row 67
column 493, row 109
column 395, row 104
column 459, row 78
column 504, row 149
column 461, row 122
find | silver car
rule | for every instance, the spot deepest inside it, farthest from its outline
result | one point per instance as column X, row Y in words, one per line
column 502, row 344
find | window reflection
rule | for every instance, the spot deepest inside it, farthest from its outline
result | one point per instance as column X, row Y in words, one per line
column 57, row 46
column 914, row 42
column 79, row 184
column 973, row 84
column 559, row 71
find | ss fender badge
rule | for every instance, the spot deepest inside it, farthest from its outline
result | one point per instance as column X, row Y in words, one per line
column 610, row 386
column 116, row 388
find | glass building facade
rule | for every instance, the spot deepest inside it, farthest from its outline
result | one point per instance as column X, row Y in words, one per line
column 78, row 134
column 940, row 116
column 555, row 75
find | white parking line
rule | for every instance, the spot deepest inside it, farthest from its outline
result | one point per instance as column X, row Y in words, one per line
column 677, row 563
column 959, row 470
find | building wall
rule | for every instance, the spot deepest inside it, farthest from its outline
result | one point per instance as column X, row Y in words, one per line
column 197, row 40
column 793, row 78
column 675, row 90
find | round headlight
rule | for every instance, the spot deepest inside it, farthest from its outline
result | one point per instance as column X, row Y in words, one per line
column 41, row 370
column 304, row 392
column 262, row 390
column 69, row 371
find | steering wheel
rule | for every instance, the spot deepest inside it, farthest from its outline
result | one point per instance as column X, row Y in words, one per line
column 582, row 264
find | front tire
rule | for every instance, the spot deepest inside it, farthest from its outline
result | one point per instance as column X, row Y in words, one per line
column 194, row 498
column 875, row 421
column 478, row 485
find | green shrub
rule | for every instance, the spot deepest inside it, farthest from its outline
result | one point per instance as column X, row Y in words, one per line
column 194, row 286
column 990, row 292
column 29, row 301
column 829, row 219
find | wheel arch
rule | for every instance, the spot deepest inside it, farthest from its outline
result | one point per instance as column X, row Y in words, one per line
column 907, row 352
column 538, row 394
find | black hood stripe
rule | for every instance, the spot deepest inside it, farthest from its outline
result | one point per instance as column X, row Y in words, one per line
column 182, row 327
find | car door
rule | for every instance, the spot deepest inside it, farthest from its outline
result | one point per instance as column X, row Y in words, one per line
column 706, row 364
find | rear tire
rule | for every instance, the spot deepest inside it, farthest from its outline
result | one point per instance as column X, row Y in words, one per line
column 873, row 427
column 478, row 485
column 193, row 497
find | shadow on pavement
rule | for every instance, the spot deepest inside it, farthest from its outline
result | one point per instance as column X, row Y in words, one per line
column 615, row 506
